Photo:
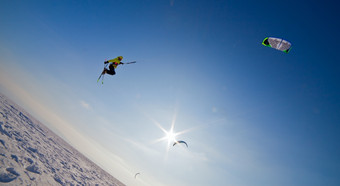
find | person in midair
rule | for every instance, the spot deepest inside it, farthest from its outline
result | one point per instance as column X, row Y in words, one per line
column 113, row 65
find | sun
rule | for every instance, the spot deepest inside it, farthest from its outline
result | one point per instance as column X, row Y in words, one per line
column 170, row 136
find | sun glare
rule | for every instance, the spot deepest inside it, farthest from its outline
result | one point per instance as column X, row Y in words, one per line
column 170, row 136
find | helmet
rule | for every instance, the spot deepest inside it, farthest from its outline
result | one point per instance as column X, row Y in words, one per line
column 120, row 58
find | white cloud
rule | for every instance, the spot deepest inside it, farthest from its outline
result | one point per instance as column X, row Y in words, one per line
column 214, row 109
column 143, row 147
column 85, row 105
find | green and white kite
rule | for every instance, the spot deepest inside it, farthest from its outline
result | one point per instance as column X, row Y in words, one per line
column 277, row 43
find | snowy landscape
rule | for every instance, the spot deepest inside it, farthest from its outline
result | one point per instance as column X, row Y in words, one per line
column 31, row 154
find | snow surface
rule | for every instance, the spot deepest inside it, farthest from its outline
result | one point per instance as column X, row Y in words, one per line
column 31, row 154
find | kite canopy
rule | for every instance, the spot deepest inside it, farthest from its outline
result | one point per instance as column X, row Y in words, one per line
column 180, row 142
column 277, row 43
column 136, row 174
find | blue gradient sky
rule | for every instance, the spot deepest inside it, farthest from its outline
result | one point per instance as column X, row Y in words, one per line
column 252, row 115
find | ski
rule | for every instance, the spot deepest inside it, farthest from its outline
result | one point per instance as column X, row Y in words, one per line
column 102, row 74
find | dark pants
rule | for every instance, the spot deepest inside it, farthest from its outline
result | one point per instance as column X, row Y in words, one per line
column 111, row 71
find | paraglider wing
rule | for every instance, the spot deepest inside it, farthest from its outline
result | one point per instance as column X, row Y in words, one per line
column 277, row 43
column 136, row 174
column 180, row 142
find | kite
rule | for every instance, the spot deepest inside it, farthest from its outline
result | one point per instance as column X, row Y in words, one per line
column 176, row 142
column 277, row 43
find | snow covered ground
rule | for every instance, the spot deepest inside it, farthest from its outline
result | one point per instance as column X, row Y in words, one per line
column 31, row 154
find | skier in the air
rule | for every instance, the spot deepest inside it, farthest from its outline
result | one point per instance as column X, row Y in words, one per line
column 113, row 65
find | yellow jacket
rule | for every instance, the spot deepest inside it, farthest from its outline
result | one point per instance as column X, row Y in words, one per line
column 116, row 61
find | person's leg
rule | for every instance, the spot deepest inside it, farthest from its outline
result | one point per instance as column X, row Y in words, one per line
column 111, row 71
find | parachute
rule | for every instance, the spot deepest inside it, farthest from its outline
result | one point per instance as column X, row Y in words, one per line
column 277, row 43
column 180, row 142
column 136, row 174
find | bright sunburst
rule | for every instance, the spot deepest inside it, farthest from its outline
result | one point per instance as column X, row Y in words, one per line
column 169, row 135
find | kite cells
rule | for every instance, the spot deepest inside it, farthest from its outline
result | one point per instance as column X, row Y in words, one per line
column 277, row 43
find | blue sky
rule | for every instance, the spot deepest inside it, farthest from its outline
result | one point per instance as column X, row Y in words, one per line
column 251, row 115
